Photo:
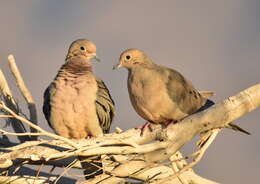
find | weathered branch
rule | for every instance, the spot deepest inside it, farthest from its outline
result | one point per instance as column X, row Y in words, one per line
column 142, row 160
column 26, row 93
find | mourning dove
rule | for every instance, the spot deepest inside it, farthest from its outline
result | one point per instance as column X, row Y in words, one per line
column 159, row 94
column 77, row 104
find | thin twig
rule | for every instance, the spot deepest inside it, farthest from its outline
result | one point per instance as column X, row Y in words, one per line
column 38, row 172
column 3, row 106
column 6, row 116
column 176, row 169
column 66, row 169
column 3, row 132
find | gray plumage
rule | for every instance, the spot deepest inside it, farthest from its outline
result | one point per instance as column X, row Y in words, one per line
column 157, row 93
column 77, row 104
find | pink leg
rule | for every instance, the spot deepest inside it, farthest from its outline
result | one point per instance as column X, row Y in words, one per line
column 89, row 137
column 147, row 124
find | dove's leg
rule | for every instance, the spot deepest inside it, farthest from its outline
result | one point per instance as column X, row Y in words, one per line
column 143, row 127
column 167, row 123
column 148, row 125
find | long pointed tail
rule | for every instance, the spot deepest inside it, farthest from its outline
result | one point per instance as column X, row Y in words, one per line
column 237, row 128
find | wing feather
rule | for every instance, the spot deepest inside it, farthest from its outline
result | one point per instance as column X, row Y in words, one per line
column 183, row 93
column 46, row 105
column 105, row 106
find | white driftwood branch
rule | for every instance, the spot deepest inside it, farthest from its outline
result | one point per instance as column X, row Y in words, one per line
column 142, row 157
column 26, row 93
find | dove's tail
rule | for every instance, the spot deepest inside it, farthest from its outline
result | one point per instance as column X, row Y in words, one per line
column 208, row 104
column 237, row 128
column 232, row 126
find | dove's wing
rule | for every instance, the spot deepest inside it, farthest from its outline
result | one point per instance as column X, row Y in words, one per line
column 183, row 93
column 46, row 105
column 105, row 106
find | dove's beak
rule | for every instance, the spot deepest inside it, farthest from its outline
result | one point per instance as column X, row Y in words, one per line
column 94, row 56
column 117, row 66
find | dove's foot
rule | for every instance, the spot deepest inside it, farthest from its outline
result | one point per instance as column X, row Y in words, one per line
column 167, row 123
column 90, row 137
column 148, row 125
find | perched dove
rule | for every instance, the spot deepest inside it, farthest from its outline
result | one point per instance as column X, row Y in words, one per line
column 160, row 94
column 77, row 104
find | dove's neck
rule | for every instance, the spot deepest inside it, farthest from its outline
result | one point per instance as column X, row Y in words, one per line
column 77, row 66
column 148, row 64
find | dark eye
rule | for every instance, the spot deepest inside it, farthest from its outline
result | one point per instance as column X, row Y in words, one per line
column 82, row 48
column 128, row 57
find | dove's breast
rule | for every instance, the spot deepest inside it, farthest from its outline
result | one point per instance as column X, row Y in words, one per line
column 149, row 97
column 73, row 106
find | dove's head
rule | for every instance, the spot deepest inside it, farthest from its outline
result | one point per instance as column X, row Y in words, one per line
column 82, row 47
column 131, row 58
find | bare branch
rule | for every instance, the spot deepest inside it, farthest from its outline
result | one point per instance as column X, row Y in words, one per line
column 3, row 132
column 26, row 93
column 144, row 158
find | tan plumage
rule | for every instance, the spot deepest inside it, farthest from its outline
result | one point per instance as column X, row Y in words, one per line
column 160, row 94
column 77, row 104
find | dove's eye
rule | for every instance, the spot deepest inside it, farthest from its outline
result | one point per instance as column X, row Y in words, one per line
column 82, row 48
column 128, row 57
